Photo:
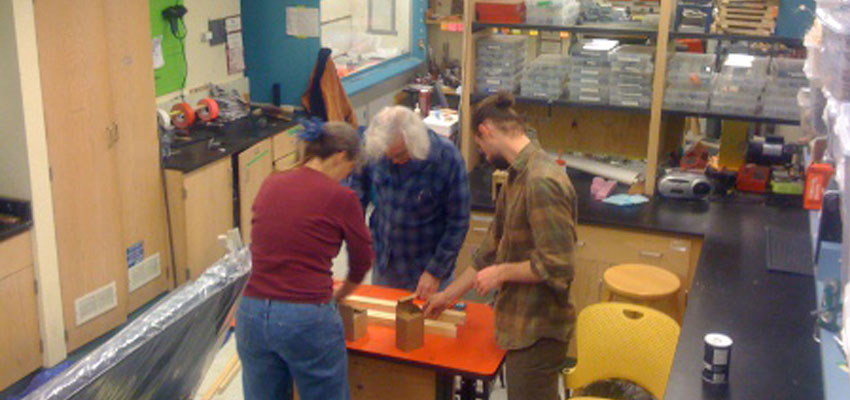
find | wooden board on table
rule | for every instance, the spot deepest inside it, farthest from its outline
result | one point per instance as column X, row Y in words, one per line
column 371, row 303
column 141, row 184
column 432, row 327
column 81, row 139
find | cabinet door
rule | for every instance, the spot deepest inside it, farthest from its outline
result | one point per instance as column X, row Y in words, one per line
column 208, row 210
column 255, row 164
column 81, row 140
column 618, row 246
column 587, row 284
column 142, row 196
column 479, row 224
column 19, row 338
column 285, row 149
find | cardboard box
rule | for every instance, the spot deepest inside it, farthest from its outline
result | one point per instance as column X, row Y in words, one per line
column 409, row 325
column 355, row 321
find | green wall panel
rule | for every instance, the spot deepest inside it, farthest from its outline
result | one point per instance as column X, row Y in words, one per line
column 170, row 77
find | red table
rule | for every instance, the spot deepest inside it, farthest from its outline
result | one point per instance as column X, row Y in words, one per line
column 379, row 370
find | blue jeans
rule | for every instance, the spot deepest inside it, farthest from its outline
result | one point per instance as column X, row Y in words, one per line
column 279, row 341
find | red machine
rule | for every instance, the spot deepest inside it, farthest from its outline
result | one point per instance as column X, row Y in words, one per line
column 753, row 178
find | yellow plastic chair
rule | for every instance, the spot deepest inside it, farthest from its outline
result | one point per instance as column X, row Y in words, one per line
column 624, row 341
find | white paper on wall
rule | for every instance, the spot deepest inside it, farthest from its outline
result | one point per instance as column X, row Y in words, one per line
column 158, row 59
column 235, row 53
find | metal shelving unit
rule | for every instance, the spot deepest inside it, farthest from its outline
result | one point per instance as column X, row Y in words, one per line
column 793, row 42
column 476, row 97
column 600, row 29
column 661, row 36
column 748, row 118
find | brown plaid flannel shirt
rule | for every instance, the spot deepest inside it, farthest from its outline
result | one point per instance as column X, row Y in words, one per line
column 535, row 220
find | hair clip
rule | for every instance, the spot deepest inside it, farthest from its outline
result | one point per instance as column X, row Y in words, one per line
column 314, row 129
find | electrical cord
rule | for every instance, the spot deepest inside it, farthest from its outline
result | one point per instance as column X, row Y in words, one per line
column 181, row 38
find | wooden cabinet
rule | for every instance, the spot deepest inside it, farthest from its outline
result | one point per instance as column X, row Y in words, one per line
column 678, row 254
column 285, row 149
column 108, row 201
column 20, row 338
column 254, row 164
column 479, row 224
column 143, row 209
column 368, row 380
column 82, row 134
column 200, row 205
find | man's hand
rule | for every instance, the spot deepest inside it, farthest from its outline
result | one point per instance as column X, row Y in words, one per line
column 436, row 304
column 489, row 279
column 428, row 285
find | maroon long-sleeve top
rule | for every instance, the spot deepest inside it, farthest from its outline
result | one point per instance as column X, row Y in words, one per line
column 301, row 218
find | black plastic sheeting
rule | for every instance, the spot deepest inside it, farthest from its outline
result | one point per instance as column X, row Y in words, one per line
column 165, row 352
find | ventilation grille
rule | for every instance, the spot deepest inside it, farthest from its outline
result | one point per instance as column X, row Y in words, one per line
column 144, row 272
column 96, row 303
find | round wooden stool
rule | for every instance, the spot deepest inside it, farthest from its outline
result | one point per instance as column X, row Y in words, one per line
column 646, row 285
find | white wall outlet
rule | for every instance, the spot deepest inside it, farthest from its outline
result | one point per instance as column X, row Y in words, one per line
column 206, row 36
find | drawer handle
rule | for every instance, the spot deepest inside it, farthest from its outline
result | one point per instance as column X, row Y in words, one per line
column 480, row 230
column 652, row 254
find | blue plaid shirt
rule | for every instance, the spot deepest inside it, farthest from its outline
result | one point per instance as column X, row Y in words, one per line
column 421, row 212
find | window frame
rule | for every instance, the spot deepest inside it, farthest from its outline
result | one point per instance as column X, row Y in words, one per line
column 370, row 76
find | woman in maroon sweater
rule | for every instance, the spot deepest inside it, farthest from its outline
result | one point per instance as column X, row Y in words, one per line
column 288, row 326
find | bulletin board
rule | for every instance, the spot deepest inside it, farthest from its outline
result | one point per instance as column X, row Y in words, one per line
column 170, row 76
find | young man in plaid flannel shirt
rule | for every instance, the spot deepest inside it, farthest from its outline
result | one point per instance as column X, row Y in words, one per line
column 527, row 254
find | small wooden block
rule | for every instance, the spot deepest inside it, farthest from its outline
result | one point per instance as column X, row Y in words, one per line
column 355, row 321
column 409, row 325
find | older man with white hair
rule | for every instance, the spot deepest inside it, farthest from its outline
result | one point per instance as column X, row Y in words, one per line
column 418, row 185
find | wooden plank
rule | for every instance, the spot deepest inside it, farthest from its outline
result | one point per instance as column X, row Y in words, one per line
column 78, row 113
column 177, row 224
column 141, row 186
column 755, row 32
column 449, row 316
column 748, row 16
column 467, row 144
column 746, row 24
column 209, row 213
column 255, row 164
column 374, row 379
column 19, row 339
column 16, row 253
column 659, row 79
column 432, row 327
